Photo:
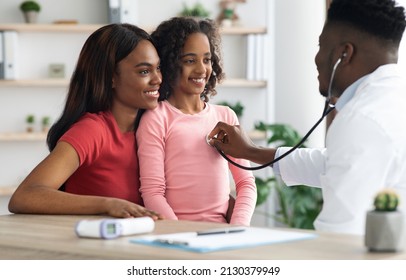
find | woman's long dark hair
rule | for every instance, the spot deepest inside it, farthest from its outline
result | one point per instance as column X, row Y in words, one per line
column 90, row 88
column 170, row 37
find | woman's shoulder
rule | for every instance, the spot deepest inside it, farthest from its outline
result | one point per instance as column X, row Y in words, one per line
column 100, row 118
column 93, row 122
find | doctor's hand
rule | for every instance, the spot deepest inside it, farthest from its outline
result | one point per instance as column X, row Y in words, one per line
column 232, row 140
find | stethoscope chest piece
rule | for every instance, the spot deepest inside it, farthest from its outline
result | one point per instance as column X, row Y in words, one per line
column 208, row 140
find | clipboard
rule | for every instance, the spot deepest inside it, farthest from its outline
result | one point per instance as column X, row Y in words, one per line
column 250, row 237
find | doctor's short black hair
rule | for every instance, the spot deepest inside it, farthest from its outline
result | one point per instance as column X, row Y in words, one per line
column 169, row 39
column 384, row 19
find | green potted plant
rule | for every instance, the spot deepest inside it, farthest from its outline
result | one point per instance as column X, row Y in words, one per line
column 298, row 206
column 238, row 108
column 197, row 10
column 30, row 10
column 46, row 122
column 30, row 120
column 385, row 225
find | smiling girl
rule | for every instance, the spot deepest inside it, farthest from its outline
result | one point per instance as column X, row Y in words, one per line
column 181, row 176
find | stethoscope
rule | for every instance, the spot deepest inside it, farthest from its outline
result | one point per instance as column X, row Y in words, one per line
column 328, row 107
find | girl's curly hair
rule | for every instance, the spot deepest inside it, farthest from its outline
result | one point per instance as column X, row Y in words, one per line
column 169, row 39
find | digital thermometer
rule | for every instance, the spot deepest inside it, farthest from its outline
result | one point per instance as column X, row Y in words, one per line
column 113, row 228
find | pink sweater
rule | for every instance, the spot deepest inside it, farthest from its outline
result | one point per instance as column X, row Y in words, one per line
column 181, row 176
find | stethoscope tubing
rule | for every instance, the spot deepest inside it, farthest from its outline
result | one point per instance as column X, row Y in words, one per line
column 327, row 109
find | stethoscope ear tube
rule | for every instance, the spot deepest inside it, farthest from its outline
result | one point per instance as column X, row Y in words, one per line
column 327, row 109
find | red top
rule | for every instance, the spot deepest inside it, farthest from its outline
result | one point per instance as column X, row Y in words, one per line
column 108, row 159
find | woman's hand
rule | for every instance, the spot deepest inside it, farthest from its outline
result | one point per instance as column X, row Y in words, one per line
column 121, row 208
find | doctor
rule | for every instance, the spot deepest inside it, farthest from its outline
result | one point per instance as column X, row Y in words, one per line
column 366, row 142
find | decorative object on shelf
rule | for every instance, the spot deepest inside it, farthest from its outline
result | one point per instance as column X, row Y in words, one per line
column 30, row 121
column 198, row 10
column 46, row 123
column 228, row 16
column 298, row 206
column 66, row 21
column 56, row 70
column 30, row 10
column 238, row 108
column 385, row 225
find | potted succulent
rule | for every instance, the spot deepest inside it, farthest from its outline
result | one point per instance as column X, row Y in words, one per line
column 228, row 16
column 30, row 10
column 197, row 10
column 385, row 225
column 30, row 120
column 238, row 108
column 46, row 122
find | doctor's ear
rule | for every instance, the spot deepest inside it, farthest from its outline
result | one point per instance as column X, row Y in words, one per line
column 347, row 52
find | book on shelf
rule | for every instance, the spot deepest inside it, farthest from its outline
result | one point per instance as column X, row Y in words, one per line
column 1, row 56
column 123, row 11
column 259, row 59
column 114, row 11
column 9, row 54
column 250, row 64
column 255, row 64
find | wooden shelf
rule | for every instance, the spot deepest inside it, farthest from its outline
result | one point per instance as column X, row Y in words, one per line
column 7, row 190
column 21, row 136
column 21, row 27
column 35, row 83
column 242, row 83
column 242, row 30
column 65, row 83
column 257, row 135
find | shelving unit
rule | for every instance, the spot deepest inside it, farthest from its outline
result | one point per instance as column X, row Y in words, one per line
column 88, row 28
column 7, row 191
column 20, row 27
column 22, row 136
column 35, row 83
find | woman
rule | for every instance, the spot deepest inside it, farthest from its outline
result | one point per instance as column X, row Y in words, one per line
column 93, row 149
column 181, row 176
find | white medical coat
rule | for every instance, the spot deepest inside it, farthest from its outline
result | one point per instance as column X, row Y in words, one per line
column 365, row 152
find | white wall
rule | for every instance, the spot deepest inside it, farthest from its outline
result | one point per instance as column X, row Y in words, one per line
column 298, row 25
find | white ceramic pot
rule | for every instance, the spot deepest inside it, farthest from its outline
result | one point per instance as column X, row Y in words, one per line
column 385, row 231
column 31, row 17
